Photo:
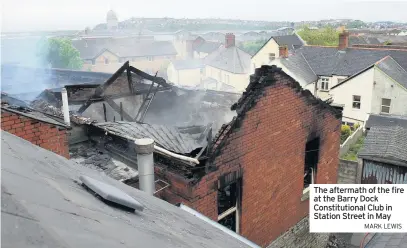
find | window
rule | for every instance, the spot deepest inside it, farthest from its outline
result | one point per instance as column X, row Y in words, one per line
column 325, row 84
column 150, row 58
column 356, row 102
column 272, row 56
column 106, row 61
column 228, row 206
column 311, row 162
column 386, row 105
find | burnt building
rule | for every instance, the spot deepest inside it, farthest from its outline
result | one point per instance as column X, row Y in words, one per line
column 251, row 174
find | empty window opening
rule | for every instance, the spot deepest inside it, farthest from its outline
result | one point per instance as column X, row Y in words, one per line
column 324, row 83
column 356, row 102
column 311, row 162
column 386, row 105
column 228, row 206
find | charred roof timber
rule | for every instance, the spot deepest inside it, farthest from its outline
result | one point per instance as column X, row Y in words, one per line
column 100, row 91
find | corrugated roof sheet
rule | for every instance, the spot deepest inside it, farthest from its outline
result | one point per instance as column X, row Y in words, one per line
column 386, row 142
column 169, row 138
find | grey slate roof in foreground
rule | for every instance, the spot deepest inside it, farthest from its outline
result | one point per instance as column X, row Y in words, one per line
column 388, row 143
column 44, row 206
column 375, row 120
column 169, row 138
column 388, row 240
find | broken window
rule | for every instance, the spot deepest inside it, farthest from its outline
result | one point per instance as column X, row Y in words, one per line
column 356, row 102
column 311, row 162
column 228, row 206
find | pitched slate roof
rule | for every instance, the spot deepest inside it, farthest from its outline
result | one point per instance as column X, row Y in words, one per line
column 300, row 67
column 389, row 66
column 328, row 61
column 90, row 50
column 231, row 59
column 353, row 40
column 387, row 142
column 208, row 47
column 188, row 64
column 291, row 41
column 41, row 194
column 375, row 120
column 33, row 114
column 169, row 138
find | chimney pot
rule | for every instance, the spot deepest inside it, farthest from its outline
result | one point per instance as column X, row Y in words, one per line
column 145, row 162
column 343, row 40
column 230, row 40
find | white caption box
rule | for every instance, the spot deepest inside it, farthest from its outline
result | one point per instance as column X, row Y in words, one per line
column 358, row 208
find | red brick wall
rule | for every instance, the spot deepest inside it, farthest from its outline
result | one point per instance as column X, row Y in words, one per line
column 269, row 147
column 43, row 134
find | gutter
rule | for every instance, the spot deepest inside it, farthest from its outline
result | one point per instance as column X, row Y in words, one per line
column 218, row 226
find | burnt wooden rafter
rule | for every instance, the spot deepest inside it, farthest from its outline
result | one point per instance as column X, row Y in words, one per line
column 97, row 96
column 119, row 110
column 99, row 90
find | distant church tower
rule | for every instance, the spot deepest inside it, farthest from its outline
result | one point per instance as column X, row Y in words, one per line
column 111, row 20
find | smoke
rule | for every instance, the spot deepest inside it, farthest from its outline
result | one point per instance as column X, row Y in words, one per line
column 23, row 63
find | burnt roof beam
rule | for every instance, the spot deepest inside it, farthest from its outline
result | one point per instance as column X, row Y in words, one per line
column 99, row 90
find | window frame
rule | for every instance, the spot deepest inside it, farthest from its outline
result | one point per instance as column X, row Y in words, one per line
column 356, row 101
column 272, row 56
column 234, row 209
column 324, row 84
column 386, row 106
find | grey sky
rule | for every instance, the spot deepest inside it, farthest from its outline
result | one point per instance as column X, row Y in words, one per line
column 28, row 15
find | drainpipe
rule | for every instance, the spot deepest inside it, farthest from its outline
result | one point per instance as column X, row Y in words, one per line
column 145, row 163
column 65, row 107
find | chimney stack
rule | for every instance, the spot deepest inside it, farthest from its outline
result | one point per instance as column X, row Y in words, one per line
column 343, row 40
column 230, row 40
column 283, row 51
column 65, row 106
column 145, row 162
